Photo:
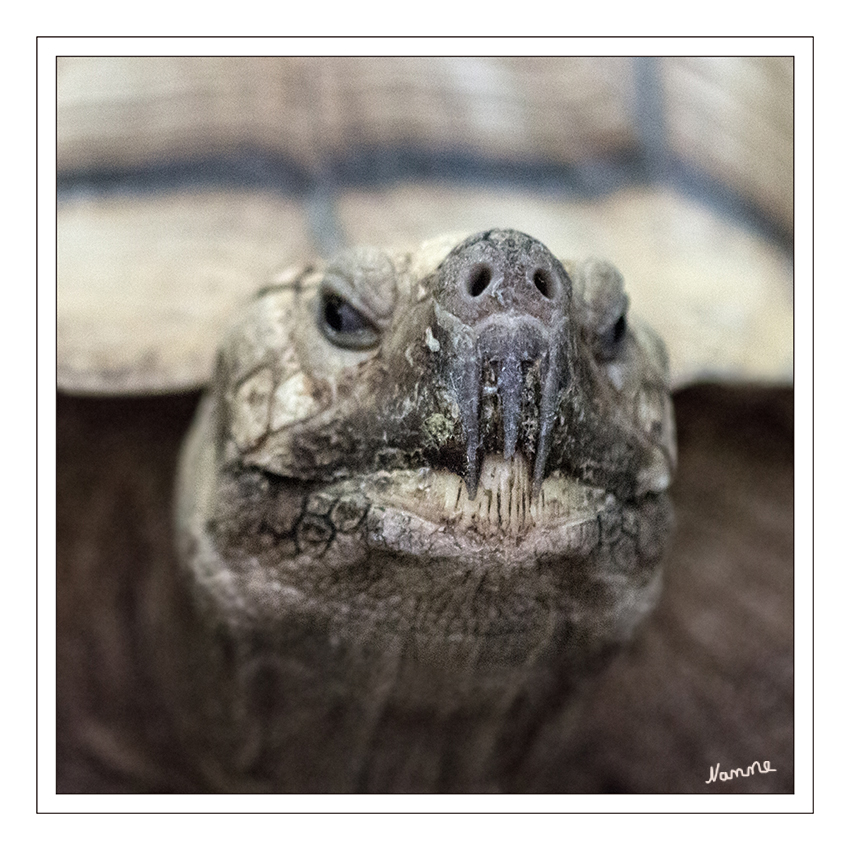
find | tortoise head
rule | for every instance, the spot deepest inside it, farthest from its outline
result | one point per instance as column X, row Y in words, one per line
column 470, row 440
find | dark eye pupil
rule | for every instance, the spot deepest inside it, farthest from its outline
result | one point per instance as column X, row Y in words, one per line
column 342, row 317
column 345, row 326
column 619, row 330
column 608, row 342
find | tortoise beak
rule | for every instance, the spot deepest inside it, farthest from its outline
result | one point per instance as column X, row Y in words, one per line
column 502, row 306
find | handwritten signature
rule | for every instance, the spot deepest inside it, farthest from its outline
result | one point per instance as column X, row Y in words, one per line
column 715, row 773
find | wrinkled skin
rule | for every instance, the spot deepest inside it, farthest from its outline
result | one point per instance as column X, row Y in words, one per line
column 431, row 486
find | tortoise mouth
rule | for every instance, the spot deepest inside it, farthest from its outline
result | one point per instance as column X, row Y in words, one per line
column 428, row 513
column 504, row 504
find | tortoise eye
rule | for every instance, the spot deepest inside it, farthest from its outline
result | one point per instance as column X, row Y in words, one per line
column 344, row 325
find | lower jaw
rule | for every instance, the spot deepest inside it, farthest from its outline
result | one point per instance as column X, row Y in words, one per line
column 503, row 505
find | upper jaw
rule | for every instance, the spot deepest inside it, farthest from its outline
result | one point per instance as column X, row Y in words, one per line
column 506, row 376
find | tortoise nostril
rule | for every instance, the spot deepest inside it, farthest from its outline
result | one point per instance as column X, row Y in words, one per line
column 544, row 283
column 478, row 280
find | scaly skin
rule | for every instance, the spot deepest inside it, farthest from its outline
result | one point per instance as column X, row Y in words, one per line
column 427, row 488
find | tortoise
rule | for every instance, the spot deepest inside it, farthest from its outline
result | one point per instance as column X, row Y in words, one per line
column 421, row 508
column 416, row 535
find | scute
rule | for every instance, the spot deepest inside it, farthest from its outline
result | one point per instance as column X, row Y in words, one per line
column 147, row 286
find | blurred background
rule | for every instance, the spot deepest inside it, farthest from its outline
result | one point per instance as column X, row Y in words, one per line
column 184, row 183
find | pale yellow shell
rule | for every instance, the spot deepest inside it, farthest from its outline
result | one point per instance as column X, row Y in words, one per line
column 147, row 281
